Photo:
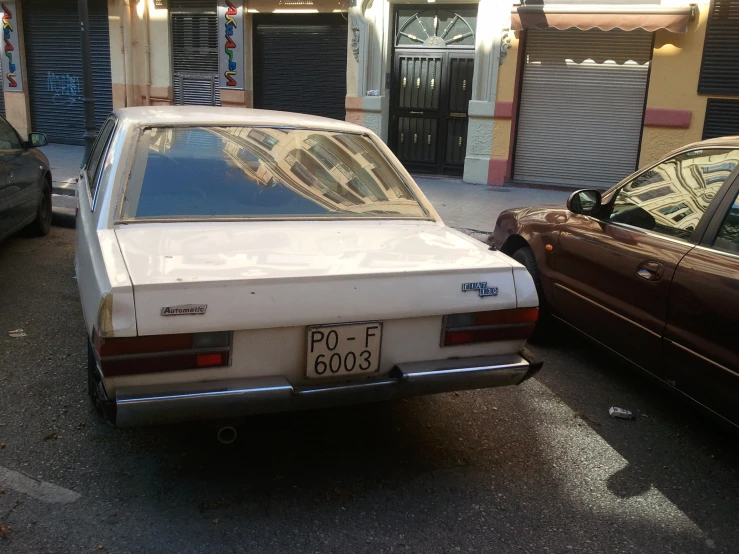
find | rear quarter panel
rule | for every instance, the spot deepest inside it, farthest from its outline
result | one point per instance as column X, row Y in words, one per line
column 537, row 228
column 100, row 268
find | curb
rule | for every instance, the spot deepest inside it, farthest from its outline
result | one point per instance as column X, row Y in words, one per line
column 64, row 188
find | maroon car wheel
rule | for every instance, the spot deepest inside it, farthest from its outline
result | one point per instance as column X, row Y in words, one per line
column 41, row 226
column 525, row 256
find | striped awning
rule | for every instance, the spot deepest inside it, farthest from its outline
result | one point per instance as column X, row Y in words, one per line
column 604, row 17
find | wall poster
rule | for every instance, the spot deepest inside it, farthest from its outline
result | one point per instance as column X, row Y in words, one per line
column 231, row 44
column 11, row 52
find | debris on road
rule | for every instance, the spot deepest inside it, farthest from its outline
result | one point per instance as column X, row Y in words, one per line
column 5, row 531
column 620, row 413
column 17, row 333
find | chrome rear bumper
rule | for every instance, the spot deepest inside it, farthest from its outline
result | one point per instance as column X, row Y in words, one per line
column 240, row 397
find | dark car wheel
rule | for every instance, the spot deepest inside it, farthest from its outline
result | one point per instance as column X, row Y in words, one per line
column 41, row 226
column 104, row 408
column 525, row 256
column 91, row 373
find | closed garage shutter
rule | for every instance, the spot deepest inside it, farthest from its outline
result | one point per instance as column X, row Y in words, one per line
column 54, row 67
column 722, row 118
column 582, row 106
column 195, row 52
column 2, row 99
column 300, row 63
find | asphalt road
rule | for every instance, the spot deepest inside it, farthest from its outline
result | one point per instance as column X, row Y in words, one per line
column 537, row 468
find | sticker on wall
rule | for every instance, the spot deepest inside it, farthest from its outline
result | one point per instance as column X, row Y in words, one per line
column 11, row 52
column 231, row 44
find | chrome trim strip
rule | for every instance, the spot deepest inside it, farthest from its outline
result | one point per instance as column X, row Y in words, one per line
column 600, row 344
column 479, row 369
column 594, row 303
column 211, row 394
column 701, row 356
column 715, row 251
column 641, row 231
column 366, row 385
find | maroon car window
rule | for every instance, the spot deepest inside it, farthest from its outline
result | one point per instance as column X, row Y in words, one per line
column 8, row 137
column 671, row 197
column 728, row 235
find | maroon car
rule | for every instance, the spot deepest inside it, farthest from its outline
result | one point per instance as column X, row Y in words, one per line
column 649, row 269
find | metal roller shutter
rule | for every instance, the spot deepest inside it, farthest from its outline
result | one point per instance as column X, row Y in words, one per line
column 719, row 69
column 2, row 99
column 582, row 106
column 722, row 118
column 194, row 25
column 54, row 67
column 300, row 63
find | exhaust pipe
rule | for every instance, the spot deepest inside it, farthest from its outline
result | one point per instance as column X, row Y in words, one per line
column 226, row 435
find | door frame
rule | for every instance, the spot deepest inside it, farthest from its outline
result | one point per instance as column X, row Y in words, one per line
column 447, row 53
column 442, row 113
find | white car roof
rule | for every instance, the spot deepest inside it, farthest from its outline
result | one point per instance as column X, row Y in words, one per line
column 212, row 115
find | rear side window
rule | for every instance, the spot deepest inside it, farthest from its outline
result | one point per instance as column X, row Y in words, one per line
column 8, row 137
column 245, row 172
column 672, row 197
column 728, row 235
column 93, row 164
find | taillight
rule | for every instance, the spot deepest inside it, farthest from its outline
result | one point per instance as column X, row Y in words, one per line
column 495, row 325
column 156, row 353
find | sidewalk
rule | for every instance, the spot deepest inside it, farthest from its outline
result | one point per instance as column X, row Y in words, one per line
column 472, row 209
column 64, row 162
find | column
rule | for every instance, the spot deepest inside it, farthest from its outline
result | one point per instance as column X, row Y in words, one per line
column 15, row 87
column 493, row 17
column 234, row 40
column 366, row 95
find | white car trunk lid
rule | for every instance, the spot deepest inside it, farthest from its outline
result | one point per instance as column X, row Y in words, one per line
column 255, row 275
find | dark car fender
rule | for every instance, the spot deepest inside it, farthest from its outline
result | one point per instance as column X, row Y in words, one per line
column 536, row 228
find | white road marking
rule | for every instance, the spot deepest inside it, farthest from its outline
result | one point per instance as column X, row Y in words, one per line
column 47, row 492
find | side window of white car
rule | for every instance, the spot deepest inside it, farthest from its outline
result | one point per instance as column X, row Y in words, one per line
column 98, row 150
column 671, row 198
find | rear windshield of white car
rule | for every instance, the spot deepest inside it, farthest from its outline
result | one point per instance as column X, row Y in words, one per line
column 258, row 172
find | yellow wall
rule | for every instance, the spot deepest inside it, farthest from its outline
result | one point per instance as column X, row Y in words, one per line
column 504, row 93
column 673, row 84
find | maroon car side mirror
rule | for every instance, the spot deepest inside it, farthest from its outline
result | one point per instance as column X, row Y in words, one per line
column 584, row 202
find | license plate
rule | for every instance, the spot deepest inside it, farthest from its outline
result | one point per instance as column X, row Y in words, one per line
column 336, row 350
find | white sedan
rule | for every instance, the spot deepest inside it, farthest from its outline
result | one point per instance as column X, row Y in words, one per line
column 236, row 261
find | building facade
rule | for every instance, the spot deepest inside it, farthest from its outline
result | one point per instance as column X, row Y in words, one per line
column 589, row 93
column 542, row 92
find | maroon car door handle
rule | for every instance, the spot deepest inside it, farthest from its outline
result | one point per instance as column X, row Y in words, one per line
column 651, row 271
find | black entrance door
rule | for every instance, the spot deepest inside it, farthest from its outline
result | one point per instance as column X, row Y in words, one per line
column 300, row 63
column 433, row 67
